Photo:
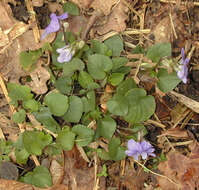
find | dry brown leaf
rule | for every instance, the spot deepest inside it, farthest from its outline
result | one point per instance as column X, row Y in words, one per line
column 162, row 109
column 183, row 170
column 10, row 29
column 84, row 4
column 9, row 55
column 8, row 128
column 77, row 175
column 4, row 40
column 116, row 20
column 103, row 5
column 38, row 3
column 132, row 179
column 15, row 185
column 6, row 13
column 8, row 170
column 176, row 132
column 77, row 23
column 53, row 7
column 26, row 41
column 162, row 31
column 10, row 1
column 39, row 78
column 57, row 171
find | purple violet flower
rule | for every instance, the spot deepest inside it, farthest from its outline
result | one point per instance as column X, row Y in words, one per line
column 65, row 54
column 183, row 69
column 136, row 149
column 54, row 25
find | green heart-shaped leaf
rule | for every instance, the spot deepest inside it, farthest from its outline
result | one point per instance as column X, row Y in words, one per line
column 75, row 110
column 84, row 135
column 141, row 106
column 66, row 139
column 86, row 81
column 74, row 65
column 167, row 82
column 57, row 103
column 35, row 141
column 106, row 127
column 158, row 51
column 115, row 43
column 99, row 65
column 118, row 105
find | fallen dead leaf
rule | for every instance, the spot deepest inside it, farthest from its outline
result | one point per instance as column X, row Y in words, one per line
column 39, row 78
column 84, row 4
column 57, row 171
column 77, row 23
column 26, row 41
column 8, row 170
column 15, row 185
column 4, row 40
column 20, row 41
column 132, row 179
column 162, row 109
column 77, row 174
column 38, row 3
column 184, row 170
column 104, row 6
column 53, row 7
column 115, row 21
column 162, row 31
column 176, row 132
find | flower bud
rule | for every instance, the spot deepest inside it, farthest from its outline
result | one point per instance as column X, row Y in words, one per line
column 80, row 44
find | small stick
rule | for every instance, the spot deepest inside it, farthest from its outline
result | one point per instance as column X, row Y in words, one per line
column 4, row 89
column 136, row 31
column 96, row 181
column 172, row 25
column 182, row 143
column 36, row 161
column 82, row 153
column 155, row 123
column 122, row 164
column 1, row 134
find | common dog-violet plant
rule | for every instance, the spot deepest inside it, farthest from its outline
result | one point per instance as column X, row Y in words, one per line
column 78, row 108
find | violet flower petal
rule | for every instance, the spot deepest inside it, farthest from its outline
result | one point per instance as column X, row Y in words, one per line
column 132, row 144
column 54, row 25
column 144, row 155
column 129, row 153
column 63, row 16
column 65, row 54
column 136, row 149
column 135, row 156
column 182, row 53
column 182, row 73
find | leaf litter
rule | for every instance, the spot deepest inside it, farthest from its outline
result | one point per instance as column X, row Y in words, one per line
column 75, row 174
